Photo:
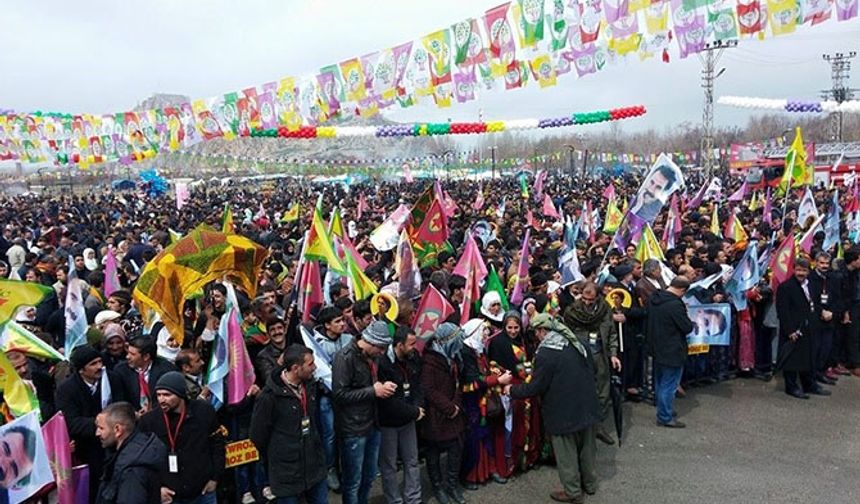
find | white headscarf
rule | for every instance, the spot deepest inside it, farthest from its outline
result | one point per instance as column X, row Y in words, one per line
column 489, row 300
column 92, row 264
column 165, row 351
column 473, row 334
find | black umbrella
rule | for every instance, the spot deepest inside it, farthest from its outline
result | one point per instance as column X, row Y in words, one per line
column 616, row 396
column 785, row 351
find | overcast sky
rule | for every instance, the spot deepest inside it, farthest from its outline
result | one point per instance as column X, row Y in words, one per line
column 102, row 56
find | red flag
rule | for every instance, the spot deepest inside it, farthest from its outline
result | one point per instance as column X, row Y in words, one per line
column 434, row 227
column 471, row 267
column 530, row 219
column 432, row 310
column 59, row 452
column 549, row 208
column 310, row 289
column 782, row 262
column 240, row 377
column 749, row 17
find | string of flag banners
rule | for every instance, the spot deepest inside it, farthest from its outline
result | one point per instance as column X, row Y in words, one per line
column 807, row 106
column 510, row 45
column 450, row 128
column 123, row 154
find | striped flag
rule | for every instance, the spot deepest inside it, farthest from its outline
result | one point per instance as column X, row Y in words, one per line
column 240, row 377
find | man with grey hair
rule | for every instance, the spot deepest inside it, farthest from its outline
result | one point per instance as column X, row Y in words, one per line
column 651, row 281
column 134, row 458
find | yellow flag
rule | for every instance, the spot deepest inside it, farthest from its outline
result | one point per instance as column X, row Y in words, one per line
column 16, row 338
column 335, row 224
column 715, row 222
column 614, row 216
column 362, row 286
column 782, row 15
column 292, row 214
column 320, row 247
column 18, row 395
column 754, row 203
column 353, row 79
column 796, row 170
column 15, row 293
column 543, row 70
column 649, row 246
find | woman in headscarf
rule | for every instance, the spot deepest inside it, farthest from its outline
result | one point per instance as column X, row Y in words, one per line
column 519, row 437
column 491, row 310
column 482, row 387
column 90, row 260
column 443, row 426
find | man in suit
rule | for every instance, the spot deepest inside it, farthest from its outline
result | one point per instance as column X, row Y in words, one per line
column 650, row 282
column 141, row 371
column 795, row 309
column 81, row 397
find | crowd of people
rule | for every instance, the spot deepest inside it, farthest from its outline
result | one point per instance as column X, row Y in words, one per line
column 479, row 402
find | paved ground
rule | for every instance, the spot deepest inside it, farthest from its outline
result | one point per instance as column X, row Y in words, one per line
column 745, row 442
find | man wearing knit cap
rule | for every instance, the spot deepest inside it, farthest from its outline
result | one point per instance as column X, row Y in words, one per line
column 194, row 440
column 81, row 397
column 356, row 387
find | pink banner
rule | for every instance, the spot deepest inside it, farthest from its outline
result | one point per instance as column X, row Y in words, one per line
column 241, row 376
column 59, row 451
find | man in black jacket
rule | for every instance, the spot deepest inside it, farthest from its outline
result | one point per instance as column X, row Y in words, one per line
column 564, row 378
column 667, row 328
column 194, row 439
column 267, row 360
column 285, row 430
column 134, row 458
column 356, row 387
column 81, row 397
column 795, row 308
column 141, row 371
column 824, row 289
column 397, row 417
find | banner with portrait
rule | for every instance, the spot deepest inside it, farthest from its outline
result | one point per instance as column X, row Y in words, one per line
column 660, row 183
column 712, row 326
column 24, row 464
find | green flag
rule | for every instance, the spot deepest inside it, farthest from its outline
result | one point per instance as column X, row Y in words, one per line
column 494, row 283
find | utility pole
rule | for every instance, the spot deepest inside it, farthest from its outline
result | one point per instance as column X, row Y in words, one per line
column 840, row 68
column 709, row 58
